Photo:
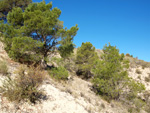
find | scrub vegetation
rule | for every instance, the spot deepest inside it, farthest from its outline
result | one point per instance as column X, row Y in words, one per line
column 33, row 32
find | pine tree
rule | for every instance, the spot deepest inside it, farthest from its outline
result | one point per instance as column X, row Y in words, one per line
column 86, row 56
column 111, row 76
column 42, row 23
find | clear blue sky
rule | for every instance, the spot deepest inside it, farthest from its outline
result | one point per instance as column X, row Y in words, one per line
column 124, row 23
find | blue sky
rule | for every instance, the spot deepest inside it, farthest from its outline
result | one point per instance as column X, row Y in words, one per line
column 123, row 23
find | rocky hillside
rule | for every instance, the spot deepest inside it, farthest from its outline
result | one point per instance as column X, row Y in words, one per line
column 75, row 96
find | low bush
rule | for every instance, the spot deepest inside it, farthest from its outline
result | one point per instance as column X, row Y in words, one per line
column 132, row 99
column 3, row 68
column 147, row 108
column 68, row 64
column 103, row 105
column 59, row 73
column 128, row 55
column 147, row 79
column 134, row 88
column 25, row 50
column 139, row 104
column 24, row 86
column 32, row 75
column 131, row 56
column 138, row 71
column 139, row 77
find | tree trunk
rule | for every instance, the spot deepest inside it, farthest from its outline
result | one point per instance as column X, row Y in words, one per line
column 43, row 64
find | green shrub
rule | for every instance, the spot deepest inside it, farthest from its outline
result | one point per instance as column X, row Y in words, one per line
column 147, row 108
column 24, row 86
column 136, row 106
column 133, row 89
column 3, row 68
column 146, row 95
column 139, row 104
column 59, row 73
column 68, row 64
column 25, row 49
column 130, row 110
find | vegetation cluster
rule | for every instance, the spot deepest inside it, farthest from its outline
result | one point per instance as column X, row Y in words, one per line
column 33, row 31
column 24, row 86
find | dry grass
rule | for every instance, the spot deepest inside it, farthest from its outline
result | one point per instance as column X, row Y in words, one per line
column 30, row 75
column 3, row 68
column 24, row 86
column 103, row 105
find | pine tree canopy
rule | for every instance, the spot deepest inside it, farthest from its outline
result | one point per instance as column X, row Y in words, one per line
column 86, row 57
column 41, row 22
column 8, row 5
column 111, row 76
